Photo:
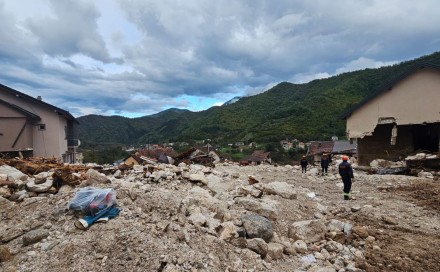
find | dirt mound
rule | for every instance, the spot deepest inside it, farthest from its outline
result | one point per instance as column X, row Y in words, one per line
column 424, row 193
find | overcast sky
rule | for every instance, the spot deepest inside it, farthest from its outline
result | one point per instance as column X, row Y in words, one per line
column 139, row 57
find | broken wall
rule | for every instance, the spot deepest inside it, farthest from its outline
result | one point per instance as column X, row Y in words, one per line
column 378, row 146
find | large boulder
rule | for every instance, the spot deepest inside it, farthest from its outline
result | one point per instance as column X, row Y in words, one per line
column 275, row 251
column 94, row 177
column 41, row 177
column 361, row 231
column 257, row 226
column 228, row 231
column 201, row 197
column 309, row 231
column 265, row 209
column 5, row 254
column 248, row 190
column 34, row 236
column 218, row 185
column 258, row 245
column 197, row 219
column 31, row 186
column 5, row 192
column 12, row 173
column 282, row 189
column 335, row 225
column 198, row 178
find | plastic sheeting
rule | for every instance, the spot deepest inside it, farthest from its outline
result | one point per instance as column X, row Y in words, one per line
column 91, row 200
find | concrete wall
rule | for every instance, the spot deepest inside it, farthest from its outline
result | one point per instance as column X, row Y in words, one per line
column 378, row 146
column 49, row 142
column 413, row 100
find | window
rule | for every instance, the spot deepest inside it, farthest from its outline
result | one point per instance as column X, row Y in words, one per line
column 41, row 126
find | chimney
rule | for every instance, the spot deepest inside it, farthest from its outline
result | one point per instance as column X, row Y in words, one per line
column 39, row 98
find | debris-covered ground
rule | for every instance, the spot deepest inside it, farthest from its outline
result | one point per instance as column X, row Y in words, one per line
column 222, row 218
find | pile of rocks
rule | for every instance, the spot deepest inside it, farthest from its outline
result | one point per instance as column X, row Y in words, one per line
column 179, row 218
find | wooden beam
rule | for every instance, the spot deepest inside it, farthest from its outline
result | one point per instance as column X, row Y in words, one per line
column 19, row 134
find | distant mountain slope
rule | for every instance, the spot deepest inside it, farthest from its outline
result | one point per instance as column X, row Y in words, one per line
column 305, row 111
column 232, row 101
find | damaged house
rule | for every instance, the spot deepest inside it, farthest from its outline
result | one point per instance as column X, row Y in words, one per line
column 399, row 119
column 33, row 127
column 317, row 148
column 258, row 157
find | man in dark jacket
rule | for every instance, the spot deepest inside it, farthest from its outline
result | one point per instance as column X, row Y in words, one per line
column 304, row 164
column 346, row 172
column 324, row 163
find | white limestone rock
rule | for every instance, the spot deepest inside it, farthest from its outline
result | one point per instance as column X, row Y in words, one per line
column 12, row 173
column 39, row 188
column 198, row 178
column 308, row 231
column 265, row 209
column 282, row 189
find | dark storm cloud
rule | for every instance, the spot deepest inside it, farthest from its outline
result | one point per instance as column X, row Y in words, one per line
column 144, row 55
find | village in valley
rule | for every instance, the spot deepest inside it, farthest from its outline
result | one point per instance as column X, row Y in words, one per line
column 202, row 209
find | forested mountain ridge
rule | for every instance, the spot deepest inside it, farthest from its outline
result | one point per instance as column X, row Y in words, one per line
column 305, row 111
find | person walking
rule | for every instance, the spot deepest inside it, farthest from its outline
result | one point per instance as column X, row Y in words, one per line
column 324, row 163
column 346, row 173
column 304, row 164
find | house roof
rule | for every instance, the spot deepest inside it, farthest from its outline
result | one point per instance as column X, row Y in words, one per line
column 258, row 156
column 389, row 86
column 319, row 147
column 21, row 110
column 16, row 93
column 344, row 147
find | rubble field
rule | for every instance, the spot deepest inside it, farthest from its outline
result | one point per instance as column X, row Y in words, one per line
column 223, row 218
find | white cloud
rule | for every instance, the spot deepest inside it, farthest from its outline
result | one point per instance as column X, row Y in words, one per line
column 69, row 30
column 362, row 63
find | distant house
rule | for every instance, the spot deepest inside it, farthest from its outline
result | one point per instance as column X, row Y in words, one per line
column 301, row 145
column 35, row 128
column 258, row 157
column 317, row 148
column 133, row 160
column 252, row 144
column 400, row 118
column 286, row 145
column 344, row 147
column 206, row 151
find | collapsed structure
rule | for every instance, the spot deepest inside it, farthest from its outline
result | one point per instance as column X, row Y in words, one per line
column 400, row 118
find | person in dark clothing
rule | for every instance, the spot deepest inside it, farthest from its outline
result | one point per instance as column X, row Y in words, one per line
column 346, row 172
column 304, row 164
column 324, row 163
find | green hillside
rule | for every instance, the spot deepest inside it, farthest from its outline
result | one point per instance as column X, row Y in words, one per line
column 304, row 111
